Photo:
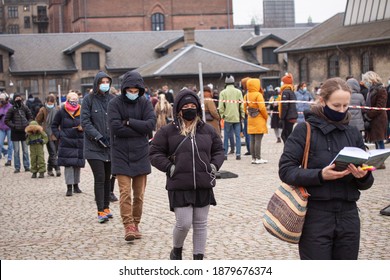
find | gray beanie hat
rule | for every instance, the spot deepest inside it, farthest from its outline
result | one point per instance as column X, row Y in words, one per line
column 229, row 79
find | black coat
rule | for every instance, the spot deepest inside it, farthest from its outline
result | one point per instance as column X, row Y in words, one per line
column 94, row 121
column 289, row 109
column 192, row 159
column 18, row 118
column 70, row 148
column 130, row 123
column 327, row 140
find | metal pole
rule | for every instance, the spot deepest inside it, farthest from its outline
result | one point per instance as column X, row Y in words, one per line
column 201, row 91
column 59, row 95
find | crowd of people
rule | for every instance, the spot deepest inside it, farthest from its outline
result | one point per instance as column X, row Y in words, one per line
column 123, row 133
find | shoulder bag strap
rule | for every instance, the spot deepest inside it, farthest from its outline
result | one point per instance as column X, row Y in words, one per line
column 307, row 146
column 178, row 146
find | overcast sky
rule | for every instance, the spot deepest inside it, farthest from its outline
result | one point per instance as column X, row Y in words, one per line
column 319, row 10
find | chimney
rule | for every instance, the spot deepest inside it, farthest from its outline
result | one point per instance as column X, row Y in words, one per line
column 189, row 36
column 257, row 29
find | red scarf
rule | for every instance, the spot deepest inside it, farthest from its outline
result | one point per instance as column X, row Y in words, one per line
column 70, row 108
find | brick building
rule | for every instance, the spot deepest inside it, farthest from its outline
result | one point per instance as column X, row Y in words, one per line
column 23, row 16
column 138, row 15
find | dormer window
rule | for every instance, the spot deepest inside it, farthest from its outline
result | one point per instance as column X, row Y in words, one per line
column 90, row 61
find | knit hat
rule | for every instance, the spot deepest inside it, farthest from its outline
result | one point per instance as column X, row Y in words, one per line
column 287, row 79
column 186, row 100
column 229, row 79
column 3, row 95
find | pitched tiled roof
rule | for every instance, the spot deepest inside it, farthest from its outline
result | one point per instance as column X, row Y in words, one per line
column 44, row 53
column 186, row 62
column 332, row 33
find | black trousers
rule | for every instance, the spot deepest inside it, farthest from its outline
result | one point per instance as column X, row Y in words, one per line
column 102, row 186
column 331, row 231
column 287, row 129
column 52, row 150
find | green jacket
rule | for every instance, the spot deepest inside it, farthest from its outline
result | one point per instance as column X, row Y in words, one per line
column 229, row 111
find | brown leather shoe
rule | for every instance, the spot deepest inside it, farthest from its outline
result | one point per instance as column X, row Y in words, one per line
column 130, row 232
column 138, row 234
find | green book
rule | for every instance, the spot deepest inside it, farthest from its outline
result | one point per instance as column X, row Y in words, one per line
column 359, row 156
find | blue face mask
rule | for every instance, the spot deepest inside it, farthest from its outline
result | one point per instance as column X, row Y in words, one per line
column 104, row 87
column 132, row 96
column 50, row 106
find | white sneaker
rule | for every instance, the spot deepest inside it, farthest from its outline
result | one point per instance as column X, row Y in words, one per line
column 261, row 161
column 253, row 161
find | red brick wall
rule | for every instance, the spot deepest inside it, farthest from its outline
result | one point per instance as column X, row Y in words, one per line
column 135, row 15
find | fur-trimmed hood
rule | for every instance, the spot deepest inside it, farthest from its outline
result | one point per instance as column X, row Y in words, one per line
column 33, row 128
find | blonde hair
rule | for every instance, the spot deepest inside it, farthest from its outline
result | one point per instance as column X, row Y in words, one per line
column 372, row 77
column 72, row 93
column 162, row 100
column 188, row 130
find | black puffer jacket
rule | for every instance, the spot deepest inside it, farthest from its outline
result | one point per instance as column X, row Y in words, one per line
column 94, row 121
column 130, row 123
column 289, row 109
column 64, row 127
column 193, row 158
column 327, row 140
column 18, row 118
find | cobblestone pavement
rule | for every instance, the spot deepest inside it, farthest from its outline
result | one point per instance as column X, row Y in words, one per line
column 40, row 222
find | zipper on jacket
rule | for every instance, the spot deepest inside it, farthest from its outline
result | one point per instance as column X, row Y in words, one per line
column 193, row 161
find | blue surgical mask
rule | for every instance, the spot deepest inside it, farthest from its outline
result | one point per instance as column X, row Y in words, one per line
column 304, row 89
column 104, row 87
column 367, row 84
column 50, row 106
column 132, row 96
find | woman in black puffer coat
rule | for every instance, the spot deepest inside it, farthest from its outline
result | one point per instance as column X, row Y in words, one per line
column 190, row 152
column 67, row 129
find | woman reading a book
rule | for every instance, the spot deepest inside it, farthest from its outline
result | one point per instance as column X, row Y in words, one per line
column 332, row 224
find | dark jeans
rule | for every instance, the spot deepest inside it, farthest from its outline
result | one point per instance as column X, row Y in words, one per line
column 102, row 186
column 52, row 150
column 246, row 135
column 287, row 129
column 331, row 231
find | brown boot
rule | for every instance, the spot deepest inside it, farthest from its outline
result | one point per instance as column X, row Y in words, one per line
column 138, row 234
column 130, row 232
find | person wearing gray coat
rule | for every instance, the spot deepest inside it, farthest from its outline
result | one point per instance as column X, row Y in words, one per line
column 357, row 99
column 131, row 119
column 97, row 141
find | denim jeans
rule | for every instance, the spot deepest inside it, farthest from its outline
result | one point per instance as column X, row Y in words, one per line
column 26, row 160
column 228, row 127
column 380, row 144
column 3, row 134
column 246, row 135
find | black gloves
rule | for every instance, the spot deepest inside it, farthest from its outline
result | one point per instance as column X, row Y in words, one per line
column 104, row 142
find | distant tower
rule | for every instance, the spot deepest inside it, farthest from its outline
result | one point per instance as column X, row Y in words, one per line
column 278, row 13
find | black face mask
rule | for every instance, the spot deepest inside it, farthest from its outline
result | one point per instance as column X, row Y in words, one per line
column 18, row 103
column 334, row 115
column 3, row 102
column 189, row 114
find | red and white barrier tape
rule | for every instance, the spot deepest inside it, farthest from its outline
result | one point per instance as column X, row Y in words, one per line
column 297, row 101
